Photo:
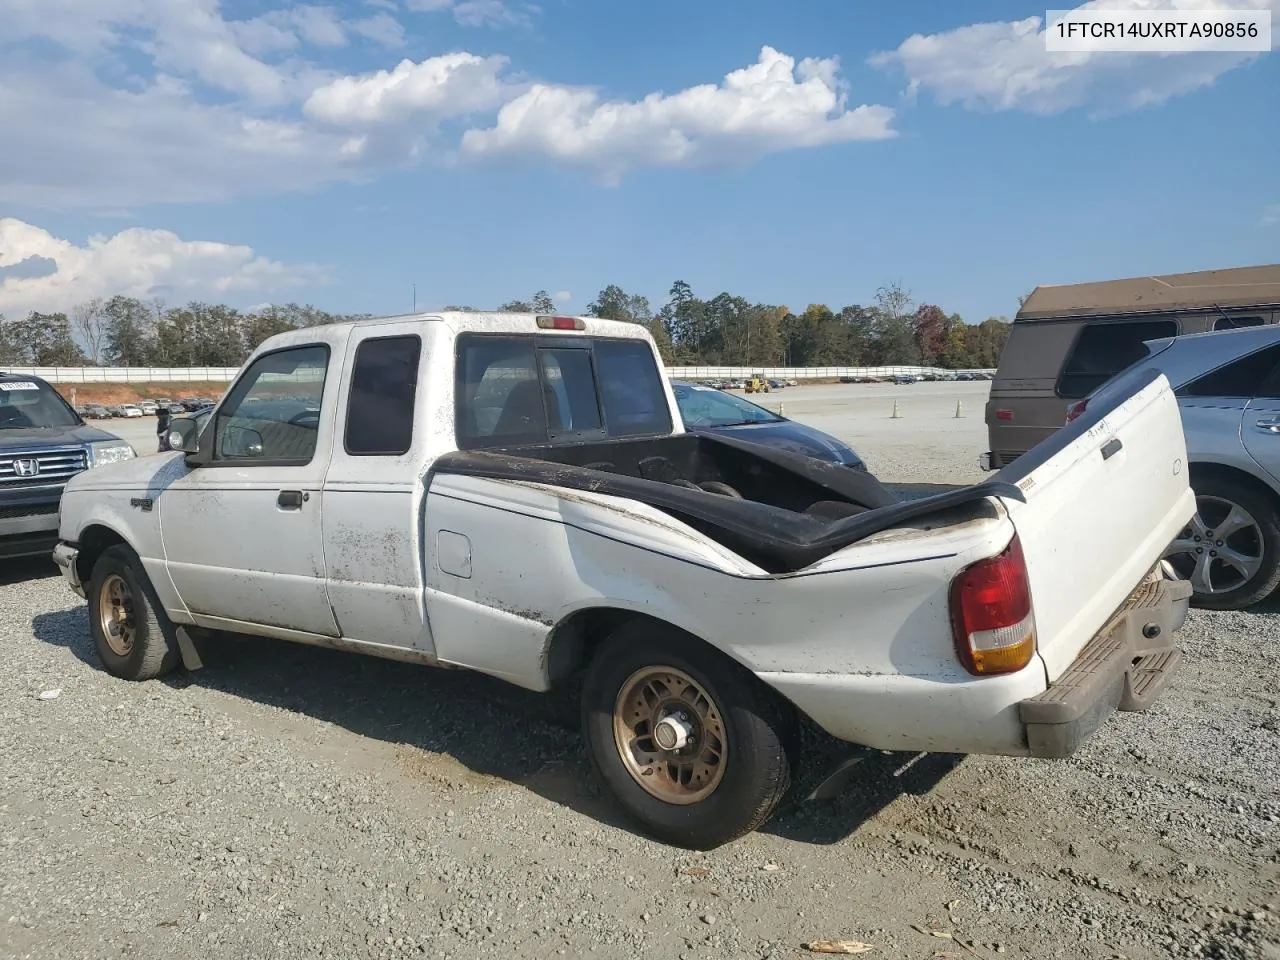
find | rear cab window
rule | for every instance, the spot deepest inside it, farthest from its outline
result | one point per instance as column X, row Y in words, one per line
column 1103, row 350
column 529, row 390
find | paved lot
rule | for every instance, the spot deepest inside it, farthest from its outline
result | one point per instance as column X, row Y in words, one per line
column 289, row 802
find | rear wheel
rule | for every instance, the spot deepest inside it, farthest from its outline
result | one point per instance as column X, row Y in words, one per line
column 695, row 749
column 135, row 639
column 1230, row 551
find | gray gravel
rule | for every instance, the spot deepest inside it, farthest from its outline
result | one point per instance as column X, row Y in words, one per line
column 289, row 802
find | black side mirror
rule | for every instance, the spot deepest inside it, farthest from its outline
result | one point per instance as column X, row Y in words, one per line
column 184, row 435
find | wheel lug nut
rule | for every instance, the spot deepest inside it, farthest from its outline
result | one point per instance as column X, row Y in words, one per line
column 1197, row 539
column 1213, row 553
column 1199, row 549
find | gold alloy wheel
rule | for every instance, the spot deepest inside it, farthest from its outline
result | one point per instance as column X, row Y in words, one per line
column 115, row 614
column 670, row 735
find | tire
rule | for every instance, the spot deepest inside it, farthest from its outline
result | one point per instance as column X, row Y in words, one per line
column 753, row 728
column 147, row 647
column 1229, row 587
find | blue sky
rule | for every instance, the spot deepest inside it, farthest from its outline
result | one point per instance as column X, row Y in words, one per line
column 255, row 150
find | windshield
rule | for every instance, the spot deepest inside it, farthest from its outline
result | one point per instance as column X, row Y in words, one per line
column 707, row 407
column 28, row 403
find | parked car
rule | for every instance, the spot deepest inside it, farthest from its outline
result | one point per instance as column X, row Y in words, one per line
column 96, row 411
column 1228, row 389
column 533, row 509
column 149, row 407
column 130, row 411
column 704, row 410
column 43, row 443
column 193, row 403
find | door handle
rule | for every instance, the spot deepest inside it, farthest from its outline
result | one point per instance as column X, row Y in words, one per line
column 292, row 499
column 1268, row 424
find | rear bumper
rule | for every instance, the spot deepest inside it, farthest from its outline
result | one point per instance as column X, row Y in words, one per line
column 1125, row 667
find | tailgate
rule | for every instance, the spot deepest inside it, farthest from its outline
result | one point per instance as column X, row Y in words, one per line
column 1105, row 496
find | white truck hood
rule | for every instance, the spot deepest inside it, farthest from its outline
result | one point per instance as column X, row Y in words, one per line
column 140, row 473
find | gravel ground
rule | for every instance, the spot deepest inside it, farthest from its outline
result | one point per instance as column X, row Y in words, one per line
column 287, row 802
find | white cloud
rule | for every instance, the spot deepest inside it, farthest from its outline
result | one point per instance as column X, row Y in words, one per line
column 1271, row 215
column 480, row 13
column 562, row 296
column 120, row 104
column 452, row 85
column 1004, row 65
column 126, row 148
column 135, row 262
column 380, row 28
column 771, row 106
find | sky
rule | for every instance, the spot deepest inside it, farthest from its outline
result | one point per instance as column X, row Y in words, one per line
column 359, row 154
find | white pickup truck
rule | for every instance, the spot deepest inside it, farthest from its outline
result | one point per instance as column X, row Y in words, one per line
column 515, row 494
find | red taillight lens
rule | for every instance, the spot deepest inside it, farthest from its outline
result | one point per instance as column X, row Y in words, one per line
column 1076, row 409
column 991, row 615
column 1004, row 414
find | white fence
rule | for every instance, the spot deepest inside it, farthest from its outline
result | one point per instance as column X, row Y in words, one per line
column 129, row 374
column 227, row 374
column 807, row 373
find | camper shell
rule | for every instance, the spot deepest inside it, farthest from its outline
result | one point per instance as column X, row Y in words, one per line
column 1069, row 339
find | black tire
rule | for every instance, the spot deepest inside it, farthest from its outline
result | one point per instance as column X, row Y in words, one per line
column 758, row 726
column 154, row 648
column 1266, row 513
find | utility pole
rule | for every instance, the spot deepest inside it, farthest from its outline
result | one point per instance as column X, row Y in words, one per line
column 415, row 297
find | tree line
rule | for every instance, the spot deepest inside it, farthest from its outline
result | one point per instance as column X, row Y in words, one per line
column 726, row 330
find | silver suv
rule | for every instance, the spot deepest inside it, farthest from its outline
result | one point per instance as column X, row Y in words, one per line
column 1228, row 389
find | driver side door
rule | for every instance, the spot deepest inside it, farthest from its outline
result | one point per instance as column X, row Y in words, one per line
column 242, row 532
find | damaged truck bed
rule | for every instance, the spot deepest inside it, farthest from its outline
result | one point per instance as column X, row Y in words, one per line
column 779, row 510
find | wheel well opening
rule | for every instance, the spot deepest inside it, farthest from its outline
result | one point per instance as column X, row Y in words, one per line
column 1201, row 472
column 93, row 543
column 576, row 637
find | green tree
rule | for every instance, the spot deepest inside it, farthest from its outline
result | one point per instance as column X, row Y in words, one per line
column 614, row 303
column 45, row 340
column 129, row 328
column 542, row 303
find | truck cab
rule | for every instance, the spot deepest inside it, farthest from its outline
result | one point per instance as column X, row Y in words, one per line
column 43, row 444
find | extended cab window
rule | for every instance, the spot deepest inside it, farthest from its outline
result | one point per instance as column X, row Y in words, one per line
column 384, row 385
column 273, row 412
column 1250, row 376
column 1105, row 349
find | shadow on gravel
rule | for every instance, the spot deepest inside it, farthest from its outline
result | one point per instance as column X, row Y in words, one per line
column 443, row 718
column 25, row 569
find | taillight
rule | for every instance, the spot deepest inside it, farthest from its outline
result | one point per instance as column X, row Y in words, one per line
column 1004, row 414
column 560, row 323
column 1077, row 409
column 991, row 616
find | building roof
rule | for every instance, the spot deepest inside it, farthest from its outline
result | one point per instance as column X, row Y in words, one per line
column 1205, row 289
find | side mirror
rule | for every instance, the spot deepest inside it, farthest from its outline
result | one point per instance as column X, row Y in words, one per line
column 184, row 435
column 241, row 442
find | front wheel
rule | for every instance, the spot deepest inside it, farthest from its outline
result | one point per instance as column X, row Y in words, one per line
column 695, row 749
column 135, row 639
column 1231, row 549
